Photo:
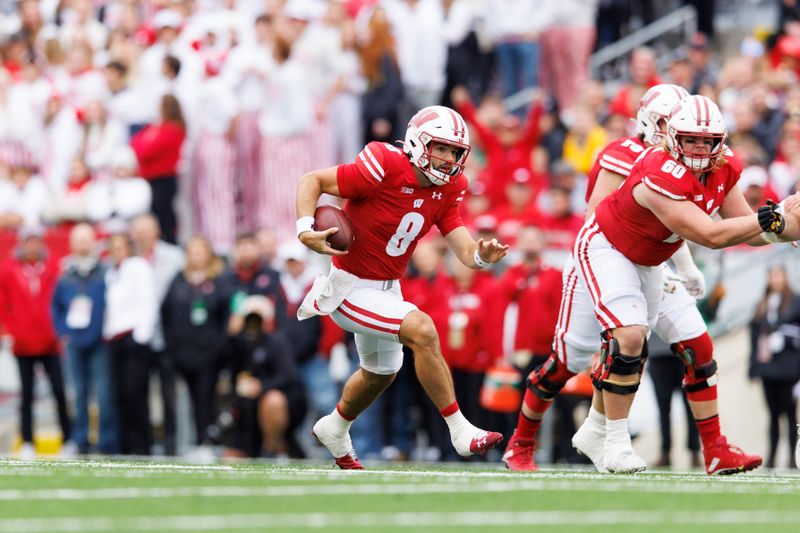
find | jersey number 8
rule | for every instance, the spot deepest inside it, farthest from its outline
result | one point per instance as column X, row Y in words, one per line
column 408, row 229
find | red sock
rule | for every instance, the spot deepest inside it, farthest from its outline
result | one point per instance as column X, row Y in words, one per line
column 449, row 410
column 527, row 428
column 709, row 431
column 348, row 418
column 534, row 403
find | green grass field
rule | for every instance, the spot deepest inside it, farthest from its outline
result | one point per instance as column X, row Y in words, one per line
column 49, row 496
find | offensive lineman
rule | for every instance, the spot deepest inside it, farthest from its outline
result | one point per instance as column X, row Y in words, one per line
column 394, row 197
column 679, row 323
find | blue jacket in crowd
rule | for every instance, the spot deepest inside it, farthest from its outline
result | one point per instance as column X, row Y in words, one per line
column 75, row 282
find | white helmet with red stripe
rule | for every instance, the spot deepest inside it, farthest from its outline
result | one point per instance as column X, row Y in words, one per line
column 437, row 124
column 698, row 120
column 654, row 108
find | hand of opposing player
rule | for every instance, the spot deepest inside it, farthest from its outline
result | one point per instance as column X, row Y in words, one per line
column 491, row 251
column 318, row 241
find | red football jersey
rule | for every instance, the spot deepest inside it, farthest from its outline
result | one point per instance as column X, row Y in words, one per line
column 636, row 231
column 390, row 211
column 617, row 157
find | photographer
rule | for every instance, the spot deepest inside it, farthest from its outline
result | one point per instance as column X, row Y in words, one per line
column 269, row 401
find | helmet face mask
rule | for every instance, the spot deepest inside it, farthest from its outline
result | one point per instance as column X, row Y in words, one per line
column 696, row 133
column 442, row 125
column 654, row 109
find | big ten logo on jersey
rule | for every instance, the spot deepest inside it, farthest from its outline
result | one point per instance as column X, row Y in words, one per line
column 407, row 230
column 673, row 168
column 633, row 146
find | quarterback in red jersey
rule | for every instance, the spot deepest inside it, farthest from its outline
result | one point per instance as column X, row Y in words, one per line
column 394, row 197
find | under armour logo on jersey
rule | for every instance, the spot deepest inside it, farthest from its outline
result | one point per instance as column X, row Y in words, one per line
column 720, row 187
column 437, row 196
column 406, row 190
column 418, row 203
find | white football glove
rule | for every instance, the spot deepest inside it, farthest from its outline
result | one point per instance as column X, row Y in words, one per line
column 695, row 283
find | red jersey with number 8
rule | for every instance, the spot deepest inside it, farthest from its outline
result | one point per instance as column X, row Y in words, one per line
column 636, row 231
column 390, row 211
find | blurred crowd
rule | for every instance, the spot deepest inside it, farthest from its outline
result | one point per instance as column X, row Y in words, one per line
column 128, row 128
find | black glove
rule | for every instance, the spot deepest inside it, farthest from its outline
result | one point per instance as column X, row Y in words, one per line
column 770, row 218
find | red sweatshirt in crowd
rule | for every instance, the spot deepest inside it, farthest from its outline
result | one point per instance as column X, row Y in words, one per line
column 537, row 292
column 158, row 149
column 501, row 161
column 26, row 291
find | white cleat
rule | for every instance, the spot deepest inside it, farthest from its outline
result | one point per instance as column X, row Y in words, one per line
column 591, row 442
column 340, row 446
column 475, row 441
column 623, row 461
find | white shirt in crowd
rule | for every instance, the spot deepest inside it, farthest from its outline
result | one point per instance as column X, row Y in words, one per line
column 123, row 198
column 29, row 202
column 131, row 303
column 289, row 105
column 421, row 43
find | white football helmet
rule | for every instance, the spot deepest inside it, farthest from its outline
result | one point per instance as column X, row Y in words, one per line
column 697, row 117
column 437, row 124
column 654, row 108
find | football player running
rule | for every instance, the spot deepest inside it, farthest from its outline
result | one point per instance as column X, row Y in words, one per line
column 394, row 197
column 678, row 322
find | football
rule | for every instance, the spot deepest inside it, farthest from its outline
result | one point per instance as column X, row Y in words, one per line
column 330, row 216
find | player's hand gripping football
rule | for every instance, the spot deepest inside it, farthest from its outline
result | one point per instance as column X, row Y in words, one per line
column 318, row 241
column 491, row 251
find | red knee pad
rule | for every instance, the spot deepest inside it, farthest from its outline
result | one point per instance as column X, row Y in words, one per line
column 545, row 382
column 700, row 381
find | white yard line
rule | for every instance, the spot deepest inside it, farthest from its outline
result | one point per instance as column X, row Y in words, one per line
column 610, row 485
column 382, row 520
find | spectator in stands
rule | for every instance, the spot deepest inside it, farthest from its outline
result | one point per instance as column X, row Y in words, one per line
column 515, row 36
column 643, row 75
column 269, row 396
column 166, row 260
column 520, row 209
column 103, row 136
column 459, row 313
column 194, row 315
column 246, row 69
column 421, row 52
column 567, row 42
column 507, row 147
column 130, row 322
column 286, row 120
column 27, row 281
column 584, row 140
column 775, row 356
column 123, row 196
column 378, row 54
column 78, row 310
column 305, row 336
column 667, row 372
column 248, row 275
column 699, row 56
column 23, row 198
column 213, row 163
column 560, row 224
column 69, row 206
column 535, row 291
column 158, row 150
